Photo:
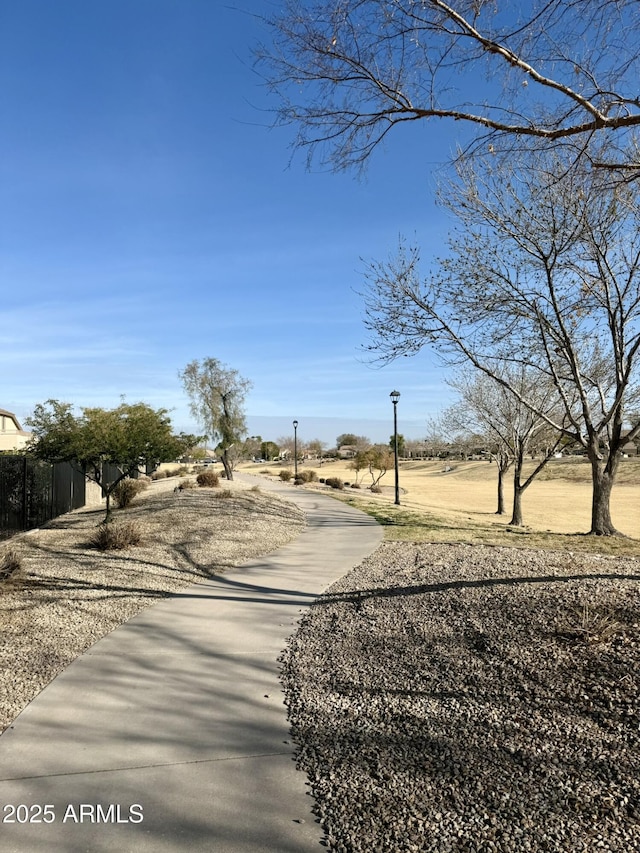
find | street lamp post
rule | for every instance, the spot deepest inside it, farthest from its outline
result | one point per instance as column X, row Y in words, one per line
column 295, row 450
column 395, row 396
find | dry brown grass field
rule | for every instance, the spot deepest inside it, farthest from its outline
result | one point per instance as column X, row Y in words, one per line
column 457, row 501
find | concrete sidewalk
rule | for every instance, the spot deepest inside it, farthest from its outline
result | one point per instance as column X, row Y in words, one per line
column 170, row 733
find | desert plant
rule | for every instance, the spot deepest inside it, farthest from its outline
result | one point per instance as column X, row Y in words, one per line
column 375, row 489
column 9, row 564
column 116, row 535
column 334, row 482
column 285, row 475
column 308, row 476
column 225, row 493
column 126, row 490
column 255, row 489
column 355, row 485
column 590, row 626
column 159, row 475
column 299, row 481
column 208, row 479
column 186, row 484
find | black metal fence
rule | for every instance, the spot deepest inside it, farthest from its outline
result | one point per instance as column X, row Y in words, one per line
column 32, row 492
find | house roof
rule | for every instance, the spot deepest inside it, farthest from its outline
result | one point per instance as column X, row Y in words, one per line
column 5, row 413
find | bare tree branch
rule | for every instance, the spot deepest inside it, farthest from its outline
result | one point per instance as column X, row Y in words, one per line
column 553, row 72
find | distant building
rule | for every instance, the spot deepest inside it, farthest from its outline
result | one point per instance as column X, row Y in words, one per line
column 12, row 436
column 347, row 451
column 630, row 449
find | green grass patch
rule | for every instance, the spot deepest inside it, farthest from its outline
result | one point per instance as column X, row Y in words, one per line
column 409, row 525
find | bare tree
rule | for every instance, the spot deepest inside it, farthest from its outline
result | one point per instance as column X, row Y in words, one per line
column 550, row 72
column 544, row 275
column 316, row 447
column 286, row 444
column 379, row 459
column 216, row 399
column 512, row 427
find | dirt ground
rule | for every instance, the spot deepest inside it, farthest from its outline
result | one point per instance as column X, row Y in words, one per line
column 559, row 503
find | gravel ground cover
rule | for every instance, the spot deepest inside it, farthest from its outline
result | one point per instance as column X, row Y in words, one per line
column 472, row 698
column 67, row 595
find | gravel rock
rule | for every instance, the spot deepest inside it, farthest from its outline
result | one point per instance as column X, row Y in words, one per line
column 471, row 698
column 67, row 595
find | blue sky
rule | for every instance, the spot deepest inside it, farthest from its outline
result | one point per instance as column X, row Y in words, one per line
column 150, row 216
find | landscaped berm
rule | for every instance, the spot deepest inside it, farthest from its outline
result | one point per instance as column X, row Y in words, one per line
column 480, row 696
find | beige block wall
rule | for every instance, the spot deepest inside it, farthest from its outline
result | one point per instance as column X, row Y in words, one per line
column 13, row 440
column 93, row 494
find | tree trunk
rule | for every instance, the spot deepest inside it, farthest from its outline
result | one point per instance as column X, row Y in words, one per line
column 518, row 489
column 107, row 517
column 504, row 463
column 516, row 517
column 500, row 510
column 226, row 464
column 603, row 477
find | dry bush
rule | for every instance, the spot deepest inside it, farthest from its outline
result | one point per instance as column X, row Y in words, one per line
column 116, row 535
column 208, row 479
column 334, row 482
column 126, row 490
column 285, row 475
column 9, row 564
column 186, row 484
column 225, row 493
column 590, row 626
column 159, row 475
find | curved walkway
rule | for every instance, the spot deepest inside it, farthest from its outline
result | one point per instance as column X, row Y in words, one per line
column 170, row 733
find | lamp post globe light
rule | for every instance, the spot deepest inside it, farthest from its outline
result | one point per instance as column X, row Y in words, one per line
column 395, row 396
column 295, row 450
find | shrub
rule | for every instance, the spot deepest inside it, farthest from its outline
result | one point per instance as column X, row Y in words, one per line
column 158, row 475
column 285, row 475
column 225, row 493
column 255, row 488
column 299, row 481
column 376, row 490
column 9, row 563
column 355, row 485
column 208, row 479
column 308, row 476
column 334, row 482
column 186, row 484
column 126, row 490
column 590, row 626
column 116, row 535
